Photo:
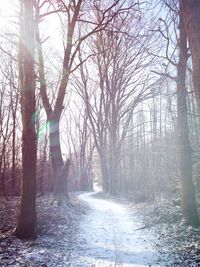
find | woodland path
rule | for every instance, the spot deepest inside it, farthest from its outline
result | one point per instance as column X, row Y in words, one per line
column 110, row 235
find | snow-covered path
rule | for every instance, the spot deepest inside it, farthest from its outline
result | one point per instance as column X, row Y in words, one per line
column 109, row 236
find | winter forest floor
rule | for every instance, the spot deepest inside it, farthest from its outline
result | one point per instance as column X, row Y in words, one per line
column 100, row 232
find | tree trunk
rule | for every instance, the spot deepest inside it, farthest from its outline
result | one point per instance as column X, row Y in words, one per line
column 59, row 170
column 188, row 193
column 191, row 11
column 104, row 171
column 113, row 171
column 26, row 225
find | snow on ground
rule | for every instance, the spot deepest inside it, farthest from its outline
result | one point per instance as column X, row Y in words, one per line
column 98, row 232
column 58, row 229
column 109, row 236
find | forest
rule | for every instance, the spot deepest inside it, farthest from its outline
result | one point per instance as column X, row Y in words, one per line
column 99, row 133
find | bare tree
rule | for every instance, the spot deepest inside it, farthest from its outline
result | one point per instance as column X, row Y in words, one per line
column 191, row 10
column 5, row 134
column 188, row 194
column 121, row 64
column 26, row 225
column 80, row 145
column 185, row 153
column 75, row 16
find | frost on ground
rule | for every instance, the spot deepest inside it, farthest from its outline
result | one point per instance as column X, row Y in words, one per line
column 173, row 237
column 98, row 232
column 109, row 237
column 57, row 235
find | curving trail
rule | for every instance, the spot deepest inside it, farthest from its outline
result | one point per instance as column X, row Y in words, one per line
column 109, row 236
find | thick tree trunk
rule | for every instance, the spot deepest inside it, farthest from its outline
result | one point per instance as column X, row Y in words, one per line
column 188, row 193
column 26, row 225
column 60, row 170
column 191, row 11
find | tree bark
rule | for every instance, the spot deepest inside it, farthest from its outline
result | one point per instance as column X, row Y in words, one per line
column 59, row 170
column 191, row 11
column 189, row 207
column 26, row 225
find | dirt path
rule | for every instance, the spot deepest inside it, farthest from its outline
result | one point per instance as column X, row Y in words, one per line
column 109, row 236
